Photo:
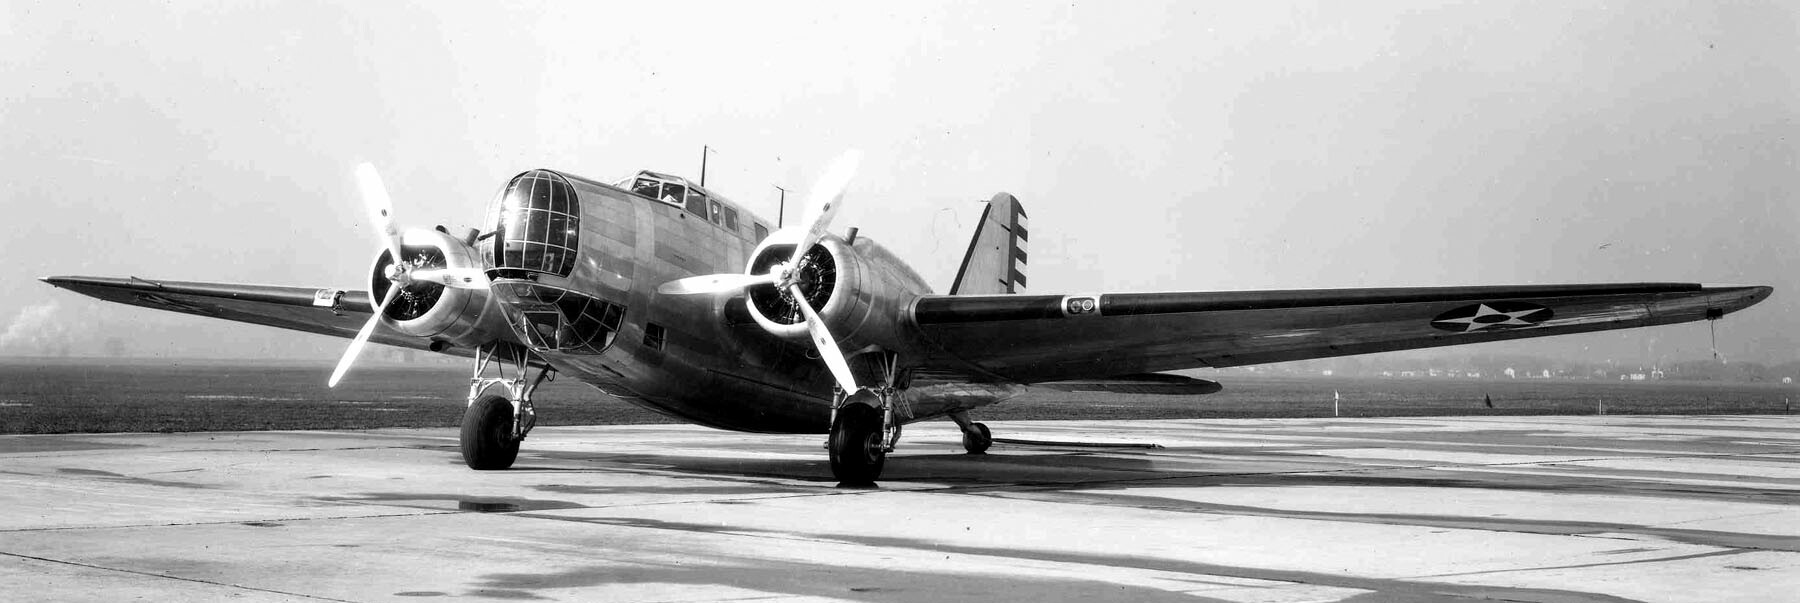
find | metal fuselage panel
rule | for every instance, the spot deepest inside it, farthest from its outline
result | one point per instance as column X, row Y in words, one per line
column 715, row 366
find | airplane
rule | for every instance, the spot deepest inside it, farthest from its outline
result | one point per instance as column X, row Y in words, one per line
column 634, row 287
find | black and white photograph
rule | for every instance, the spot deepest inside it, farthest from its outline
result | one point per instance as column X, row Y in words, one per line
column 1149, row 300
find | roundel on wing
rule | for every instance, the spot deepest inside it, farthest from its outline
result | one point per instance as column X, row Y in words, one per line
column 1492, row 316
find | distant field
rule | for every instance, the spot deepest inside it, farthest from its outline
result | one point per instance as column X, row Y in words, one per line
column 63, row 396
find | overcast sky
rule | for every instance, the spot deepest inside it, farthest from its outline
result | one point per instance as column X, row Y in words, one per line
column 1156, row 146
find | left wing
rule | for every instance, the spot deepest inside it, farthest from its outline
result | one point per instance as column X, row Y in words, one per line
column 1036, row 338
column 314, row 310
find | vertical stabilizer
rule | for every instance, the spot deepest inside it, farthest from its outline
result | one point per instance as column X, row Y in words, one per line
column 995, row 262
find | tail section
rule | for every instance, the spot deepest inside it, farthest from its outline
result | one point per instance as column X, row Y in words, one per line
column 995, row 262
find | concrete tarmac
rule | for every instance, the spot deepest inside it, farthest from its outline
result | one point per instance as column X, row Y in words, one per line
column 1562, row 509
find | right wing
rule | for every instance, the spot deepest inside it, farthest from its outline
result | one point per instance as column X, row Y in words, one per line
column 1036, row 338
column 314, row 310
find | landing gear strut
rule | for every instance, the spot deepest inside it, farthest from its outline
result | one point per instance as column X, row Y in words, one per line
column 976, row 436
column 495, row 423
column 865, row 426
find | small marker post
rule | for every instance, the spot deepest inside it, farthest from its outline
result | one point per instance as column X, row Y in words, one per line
column 1334, row 402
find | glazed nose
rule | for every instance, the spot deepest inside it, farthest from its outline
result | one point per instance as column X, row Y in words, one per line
column 537, row 226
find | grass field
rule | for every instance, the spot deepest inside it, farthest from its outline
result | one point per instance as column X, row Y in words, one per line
column 63, row 396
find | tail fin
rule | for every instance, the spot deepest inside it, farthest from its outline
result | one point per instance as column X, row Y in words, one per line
column 995, row 262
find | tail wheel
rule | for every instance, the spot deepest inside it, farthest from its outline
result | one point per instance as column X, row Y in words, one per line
column 978, row 444
column 487, row 434
column 857, row 452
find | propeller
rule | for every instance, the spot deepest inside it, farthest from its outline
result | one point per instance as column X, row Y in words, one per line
column 399, row 273
column 716, row 283
column 456, row 278
column 362, row 338
column 380, row 206
column 827, row 345
column 821, row 206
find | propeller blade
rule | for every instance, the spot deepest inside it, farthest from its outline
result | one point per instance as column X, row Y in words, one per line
column 823, row 201
column 362, row 337
column 381, row 208
column 457, row 278
column 828, row 347
column 715, row 283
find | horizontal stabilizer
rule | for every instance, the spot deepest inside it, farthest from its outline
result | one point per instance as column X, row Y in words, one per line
column 1152, row 384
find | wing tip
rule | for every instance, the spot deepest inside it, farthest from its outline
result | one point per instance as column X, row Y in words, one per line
column 1737, row 297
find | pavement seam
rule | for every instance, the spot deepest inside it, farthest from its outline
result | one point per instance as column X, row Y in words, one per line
column 1720, row 553
column 168, row 577
column 425, row 513
column 1121, row 480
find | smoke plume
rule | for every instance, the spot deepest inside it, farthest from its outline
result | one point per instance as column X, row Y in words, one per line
column 37, row 330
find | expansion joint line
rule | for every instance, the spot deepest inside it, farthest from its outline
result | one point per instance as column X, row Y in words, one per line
column 168, row 577
column 183, row 524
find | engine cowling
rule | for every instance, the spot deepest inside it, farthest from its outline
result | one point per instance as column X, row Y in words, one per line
column 860, row 290
column 448, row 316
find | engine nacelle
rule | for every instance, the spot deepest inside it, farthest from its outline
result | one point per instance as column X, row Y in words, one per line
column 860, row 290
column 448, row 316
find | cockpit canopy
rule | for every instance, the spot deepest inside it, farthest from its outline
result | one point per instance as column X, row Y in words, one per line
column 679, row 192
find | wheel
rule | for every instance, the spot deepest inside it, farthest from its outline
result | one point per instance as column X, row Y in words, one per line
column 856, row 450
column 487, row 434
column 978, row 444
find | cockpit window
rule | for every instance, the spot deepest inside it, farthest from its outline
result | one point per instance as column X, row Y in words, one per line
column 716, row 211
column 731, row 220
column 762, row 232
column 648, row 187
column 672, row 193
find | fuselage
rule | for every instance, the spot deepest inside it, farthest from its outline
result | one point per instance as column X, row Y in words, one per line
column 577, row 264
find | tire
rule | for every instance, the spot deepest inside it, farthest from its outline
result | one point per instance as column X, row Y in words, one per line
column 856, row 448
column 978, row 445
column 487, row 426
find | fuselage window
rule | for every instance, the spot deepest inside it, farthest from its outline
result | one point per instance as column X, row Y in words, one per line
column 716, row 211
column 731, row 220
column 762, row 232
column 696, row 203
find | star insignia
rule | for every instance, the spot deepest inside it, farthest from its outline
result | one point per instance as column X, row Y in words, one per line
column 1492, row 315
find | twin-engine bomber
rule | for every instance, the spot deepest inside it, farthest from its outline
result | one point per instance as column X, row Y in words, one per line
column 666, row 295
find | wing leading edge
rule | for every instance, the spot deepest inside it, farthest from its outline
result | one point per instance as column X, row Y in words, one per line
column 1057, row 337
column 312, row 310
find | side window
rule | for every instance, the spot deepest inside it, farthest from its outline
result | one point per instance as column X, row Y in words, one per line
column 731, row 220
column 716, row 211
column 762, row 232
column 696, row 204
column 647, row 187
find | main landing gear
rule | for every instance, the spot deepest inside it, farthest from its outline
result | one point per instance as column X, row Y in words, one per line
column 495, row 423
column 865, row 426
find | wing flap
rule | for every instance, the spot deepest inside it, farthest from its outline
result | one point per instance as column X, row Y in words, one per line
column 1040, row 338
